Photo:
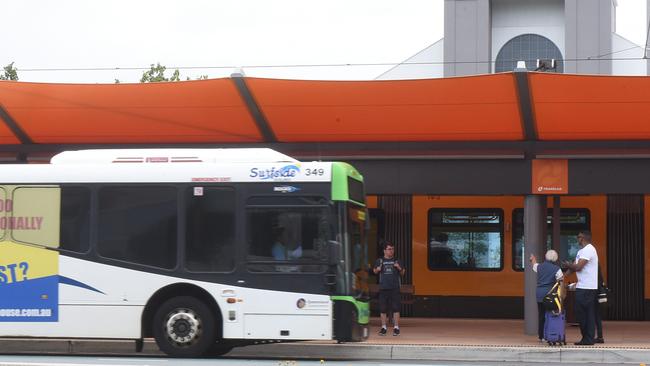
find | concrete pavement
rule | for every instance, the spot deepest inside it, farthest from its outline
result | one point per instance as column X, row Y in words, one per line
column 421, row 339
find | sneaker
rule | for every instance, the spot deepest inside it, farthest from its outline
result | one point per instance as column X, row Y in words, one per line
column 599, row 340
column 382, row 332
column 395, row 332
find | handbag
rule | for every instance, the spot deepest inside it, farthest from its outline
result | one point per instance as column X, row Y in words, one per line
column 552, row 301
column 603, row 291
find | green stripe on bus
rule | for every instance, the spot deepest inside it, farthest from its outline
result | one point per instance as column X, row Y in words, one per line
column 363, row 308
column 340, row 174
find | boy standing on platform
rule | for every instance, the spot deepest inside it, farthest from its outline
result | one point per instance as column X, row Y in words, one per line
column 390, row 271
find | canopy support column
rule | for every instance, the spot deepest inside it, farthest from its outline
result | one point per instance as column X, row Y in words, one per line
column 534, row 241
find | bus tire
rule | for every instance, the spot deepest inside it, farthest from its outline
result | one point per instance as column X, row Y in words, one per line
column 184, row 326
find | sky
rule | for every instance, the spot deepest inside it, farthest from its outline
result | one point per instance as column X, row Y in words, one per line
column 98, row 41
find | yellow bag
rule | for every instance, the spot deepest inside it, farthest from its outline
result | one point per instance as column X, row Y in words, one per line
column 553, row 299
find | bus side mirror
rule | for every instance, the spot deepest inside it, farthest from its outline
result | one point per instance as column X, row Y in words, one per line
column 334, row 250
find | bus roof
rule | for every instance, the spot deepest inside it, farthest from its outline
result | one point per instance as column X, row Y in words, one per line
column 234, row 155
column 165, row 173
column 162, row 166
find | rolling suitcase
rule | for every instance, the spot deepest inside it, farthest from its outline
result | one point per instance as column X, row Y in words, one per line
column 554, row 328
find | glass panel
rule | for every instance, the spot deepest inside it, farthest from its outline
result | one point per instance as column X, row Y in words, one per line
column 469, row 218
column 283, row 201
column 210, row 243
column 355, row 190
column 465, row 239
column 375, row 232
column 290, row 235
column 358, row 252
column 35, row 218
column 572, row 221
column 138, row 224
column 528, row 48
column 75, row 219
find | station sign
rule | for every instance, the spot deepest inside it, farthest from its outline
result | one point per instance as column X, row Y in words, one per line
column 550, row 176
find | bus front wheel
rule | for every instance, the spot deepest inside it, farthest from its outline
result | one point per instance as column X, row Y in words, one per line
column 184, row 327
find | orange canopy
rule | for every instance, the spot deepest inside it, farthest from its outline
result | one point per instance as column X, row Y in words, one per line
column 452, row 109
column 475, row 108
column 579, row 107
column 181, row 112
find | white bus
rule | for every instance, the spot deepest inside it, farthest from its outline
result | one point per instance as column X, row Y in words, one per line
column 202, row 249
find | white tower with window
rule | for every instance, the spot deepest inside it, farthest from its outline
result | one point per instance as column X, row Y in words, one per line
column 487, row 36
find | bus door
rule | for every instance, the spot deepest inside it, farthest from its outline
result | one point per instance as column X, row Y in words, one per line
column 288, row 238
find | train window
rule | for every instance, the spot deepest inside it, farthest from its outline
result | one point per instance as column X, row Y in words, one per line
column 572, row 221
column 465, row 239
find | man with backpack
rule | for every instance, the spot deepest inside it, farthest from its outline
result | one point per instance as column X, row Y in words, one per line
column 390, row 271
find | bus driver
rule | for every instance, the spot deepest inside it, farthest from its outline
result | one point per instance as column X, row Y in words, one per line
column 284, row 249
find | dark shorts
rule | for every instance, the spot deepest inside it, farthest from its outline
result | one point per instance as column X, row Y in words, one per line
column 389, row 300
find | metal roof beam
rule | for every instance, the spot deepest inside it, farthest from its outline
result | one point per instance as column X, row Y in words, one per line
column 260, row 120
column 525, row 104
column 14, row 127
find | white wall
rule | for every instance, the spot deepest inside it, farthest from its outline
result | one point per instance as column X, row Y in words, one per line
column 511, row 18
column 428, row 65
column 627, row 67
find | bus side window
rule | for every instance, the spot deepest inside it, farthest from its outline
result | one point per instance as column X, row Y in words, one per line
column 210, row 229
column 75, row 219
column 138, row 224
column 34, row 217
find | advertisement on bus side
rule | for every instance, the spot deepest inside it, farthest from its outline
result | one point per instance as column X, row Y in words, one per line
column 29, row 273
